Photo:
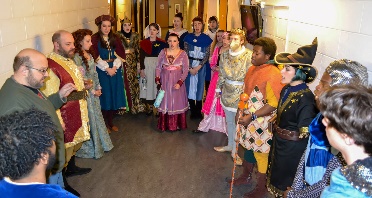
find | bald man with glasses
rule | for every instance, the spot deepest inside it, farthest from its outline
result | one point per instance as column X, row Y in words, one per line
column 21, row 92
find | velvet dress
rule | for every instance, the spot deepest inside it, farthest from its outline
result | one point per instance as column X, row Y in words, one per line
column 173, row 70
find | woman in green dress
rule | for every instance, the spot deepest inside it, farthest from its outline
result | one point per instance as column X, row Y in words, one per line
column 100, row 140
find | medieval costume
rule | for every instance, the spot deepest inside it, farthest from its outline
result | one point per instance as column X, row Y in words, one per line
column 319, row 159
column 100, row 140
column 181, row 34
column 170, row 71
column 353, row 180
column 148, row 61
column 198, row 50
column 214, row 115
column 105, row 55
column 296, row 110
column 131, row 43
column 74, row 113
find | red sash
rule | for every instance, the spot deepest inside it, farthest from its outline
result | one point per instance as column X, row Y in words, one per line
column 70, row 111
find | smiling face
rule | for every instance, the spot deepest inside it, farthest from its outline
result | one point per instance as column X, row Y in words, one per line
column 198, row 26
column 219, row 37
column 258, row 56
column 127, row 27
column 105, row 28
column 288, row 73
column 173, row 42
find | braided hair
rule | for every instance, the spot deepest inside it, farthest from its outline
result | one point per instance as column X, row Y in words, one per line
column 24, row 137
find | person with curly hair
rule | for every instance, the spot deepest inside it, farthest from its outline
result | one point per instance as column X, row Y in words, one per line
column 100, row 140
column 28, row 151
column 22, row 91
column 319, row 159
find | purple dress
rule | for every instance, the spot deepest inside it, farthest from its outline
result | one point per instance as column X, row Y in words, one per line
column 173, row 70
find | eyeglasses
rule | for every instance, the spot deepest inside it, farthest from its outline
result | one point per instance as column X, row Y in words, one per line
column 43, row 71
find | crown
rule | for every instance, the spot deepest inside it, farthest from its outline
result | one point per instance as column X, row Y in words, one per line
column 238, row 31
column 125, row 20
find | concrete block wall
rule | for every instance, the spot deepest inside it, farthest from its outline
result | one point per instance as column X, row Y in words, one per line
column 342, row 27
column 31, row 24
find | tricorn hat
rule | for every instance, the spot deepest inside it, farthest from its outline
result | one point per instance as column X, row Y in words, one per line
column 104, row 17
column 302, row 59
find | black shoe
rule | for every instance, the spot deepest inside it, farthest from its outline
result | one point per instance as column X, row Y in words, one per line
column 73, row 170
column 197, row 131
column 77, row 171
column 71, row 190
column 67, row 186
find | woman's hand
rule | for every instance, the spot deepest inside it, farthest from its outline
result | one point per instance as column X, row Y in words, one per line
column 217, row 69
column 111, row 71
column 98, row 93
column 142, row 73
column 176, row 86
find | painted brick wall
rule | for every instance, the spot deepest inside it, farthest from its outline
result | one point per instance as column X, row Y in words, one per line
column 31, row 24
column 343, row 28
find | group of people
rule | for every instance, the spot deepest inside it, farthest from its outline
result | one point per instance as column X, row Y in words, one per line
column 303, row 144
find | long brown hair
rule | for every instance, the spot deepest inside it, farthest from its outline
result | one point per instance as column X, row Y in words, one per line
column 79, row 36
column 111, row 38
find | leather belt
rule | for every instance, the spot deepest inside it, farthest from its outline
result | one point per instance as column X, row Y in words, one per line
column 77, row 95
column 287, row 134
column 109, row 60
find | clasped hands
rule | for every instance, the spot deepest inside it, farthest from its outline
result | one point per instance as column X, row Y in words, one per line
column 194, row 70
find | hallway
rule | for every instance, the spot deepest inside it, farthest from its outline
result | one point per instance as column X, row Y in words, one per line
column 145, row 163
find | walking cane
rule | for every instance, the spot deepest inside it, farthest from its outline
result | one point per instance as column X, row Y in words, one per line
column 241, row 105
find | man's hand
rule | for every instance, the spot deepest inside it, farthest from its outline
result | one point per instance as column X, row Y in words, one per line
column 66, row 90
column 245, row 120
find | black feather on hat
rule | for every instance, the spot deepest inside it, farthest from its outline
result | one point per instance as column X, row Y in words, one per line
column 302, row 59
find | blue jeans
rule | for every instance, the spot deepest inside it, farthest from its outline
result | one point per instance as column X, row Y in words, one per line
column 56, row 179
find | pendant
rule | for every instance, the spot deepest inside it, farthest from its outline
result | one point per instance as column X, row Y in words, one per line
column 194, row 40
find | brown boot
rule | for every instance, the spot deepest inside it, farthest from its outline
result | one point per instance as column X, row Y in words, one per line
column 246, row 176
column 260, row 190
